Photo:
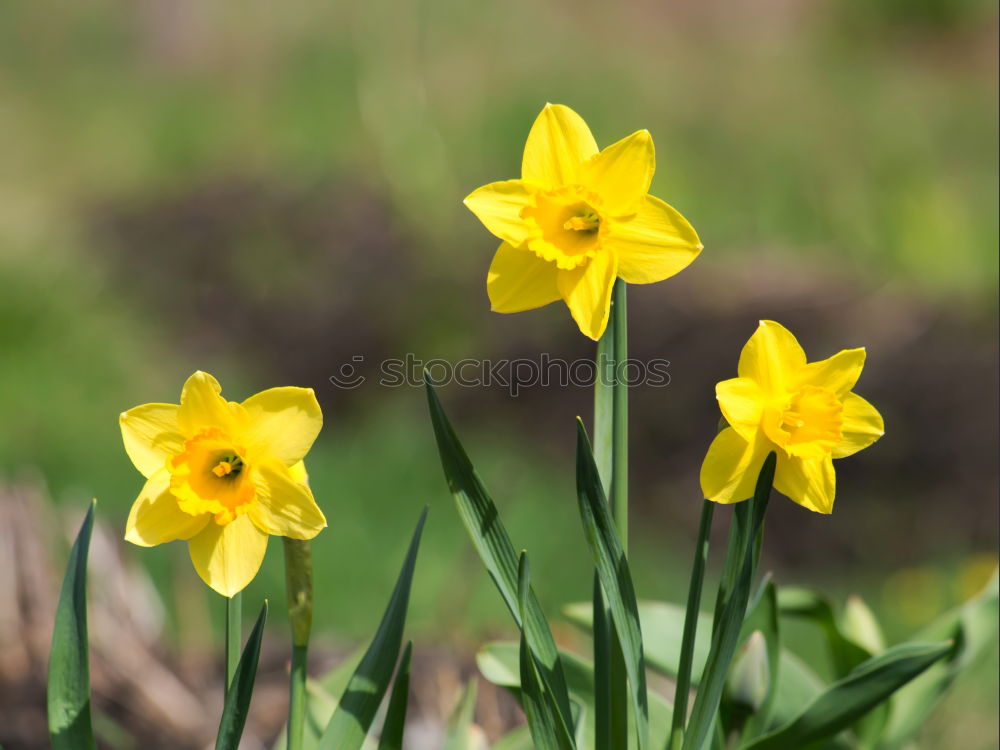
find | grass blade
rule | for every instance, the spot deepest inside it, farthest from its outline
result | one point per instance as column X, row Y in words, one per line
column 395, row 715
column 237, row 706
column 482, row 522
column 729, row 617
column 69, row 665
column 363, row 695
column 852, row 697
column 616, row 581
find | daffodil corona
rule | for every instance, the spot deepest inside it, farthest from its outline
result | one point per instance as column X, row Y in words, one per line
column 804, row 412
column 223, row 476
column 578, row 219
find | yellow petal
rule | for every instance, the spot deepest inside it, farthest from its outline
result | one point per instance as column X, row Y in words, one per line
column 520, row 280
column 156, row 518
column 839, row 373
column 499, row 205
column 557, row 146
column 284, row 507
column 228, row 557
column 654, row 244
column 202, row 406
column 151, row 435
column 298, row 472
column 742, row 403
column 282, row 423
column 862, row 426
column 587, row 292
column 621, row 173
column 771, row 357
column 811, row 482
column 729, row 471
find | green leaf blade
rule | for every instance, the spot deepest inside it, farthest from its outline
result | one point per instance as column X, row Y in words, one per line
column 240, row 692
column 482, row 522
column 731, row 608
column 395, row 715
column 973, row 626
column 547, row 728
column 852, row 697
column 69, row 665
column 616, row 581
column 367, row 687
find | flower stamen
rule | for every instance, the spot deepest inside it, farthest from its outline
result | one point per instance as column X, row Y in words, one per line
column 229, row 465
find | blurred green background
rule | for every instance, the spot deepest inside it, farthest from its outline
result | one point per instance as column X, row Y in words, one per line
column 266, row 191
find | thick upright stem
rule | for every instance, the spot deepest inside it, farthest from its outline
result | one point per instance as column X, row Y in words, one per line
column 690, row 627
column 234, row 635
column 298, row 583
column 619, row 447
column 611, row 411
column 297, row 698
column 611, row 457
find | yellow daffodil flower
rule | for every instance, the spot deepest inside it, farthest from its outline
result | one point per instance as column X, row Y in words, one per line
column 578, row 219
column 804, row 412
column 223, row 476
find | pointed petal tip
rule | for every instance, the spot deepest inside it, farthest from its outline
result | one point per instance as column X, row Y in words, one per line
column 132, row 538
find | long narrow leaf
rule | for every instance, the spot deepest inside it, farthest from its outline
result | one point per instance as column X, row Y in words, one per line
column 360, row 701
column 395, row 715
column 237, row 706
column 538, row 707
column 482, row 522
column 616, row 581
column 69, row 666
column 725, row 637
column 973, row 626
column 602, row 668
column 541, row 722
column 538, row 702
column 498, row 662
column 849, row 699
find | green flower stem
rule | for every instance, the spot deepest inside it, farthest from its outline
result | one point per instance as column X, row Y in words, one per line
column 619, row 448
column 611, row 412
column 234, row 635
column 690, row 627
column 297, row 698
column 298, row 583
column 611, row 458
